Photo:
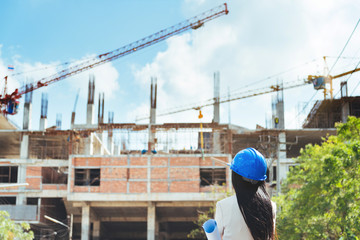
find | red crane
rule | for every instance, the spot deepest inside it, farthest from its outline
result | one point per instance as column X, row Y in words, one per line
column 9, row 102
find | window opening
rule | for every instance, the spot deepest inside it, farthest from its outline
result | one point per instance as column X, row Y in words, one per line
column 53, row 175
column 7, row 200
column 8, row 174
column 212, row 176
column 87, row 177
column 32, row 201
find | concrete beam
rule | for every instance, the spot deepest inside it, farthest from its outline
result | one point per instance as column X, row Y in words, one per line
column 185, row 204
column 112, row 204
column 154, row 197
column 36, row 162
column 85, row 126
column 157, row 155
column 77, row 219
column 123, row 219
column 47, row 194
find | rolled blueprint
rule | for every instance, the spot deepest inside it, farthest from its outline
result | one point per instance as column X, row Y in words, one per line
column 211, row 230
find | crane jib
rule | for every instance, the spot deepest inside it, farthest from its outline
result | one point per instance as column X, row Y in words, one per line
column 192, row 23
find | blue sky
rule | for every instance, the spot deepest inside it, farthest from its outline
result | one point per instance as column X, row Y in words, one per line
column 256, row 40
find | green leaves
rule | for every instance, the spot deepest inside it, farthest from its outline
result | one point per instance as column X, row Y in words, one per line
column 321, row 197
column 9, row 230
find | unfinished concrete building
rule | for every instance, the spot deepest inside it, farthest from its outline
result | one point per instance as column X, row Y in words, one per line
column 128, row 181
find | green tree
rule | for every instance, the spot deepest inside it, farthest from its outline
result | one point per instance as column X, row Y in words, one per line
column 321, row 195
column 9, row 230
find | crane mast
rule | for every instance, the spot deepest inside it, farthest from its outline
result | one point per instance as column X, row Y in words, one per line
column 191, row 23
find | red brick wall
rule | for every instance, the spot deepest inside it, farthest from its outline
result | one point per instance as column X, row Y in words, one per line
column 138, row 187
column 130, row 174
column 157, row 187
column 33, row 177
column 114, row 186
column 185, row 173
column 187, row 186
column 159, row 173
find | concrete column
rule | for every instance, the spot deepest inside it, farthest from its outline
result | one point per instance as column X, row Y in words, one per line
column 153, row 96
column 345, row 111
column 27, row 116
column 96, row 230
column 151, row 222
column 102, row 147
column 21, row 178
column 278, row 117
column 216, row 142
column 43, row 124
column 157, row 229
column 24, row 147
column 110, row 145
column 281, row 155
column 72, row 123
column 216, row 118
column 89, row 145
column 280, row 114
column 90, row 114
column 117, row 149
column 85, row 223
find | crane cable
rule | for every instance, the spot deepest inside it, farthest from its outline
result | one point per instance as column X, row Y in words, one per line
column 342, row 51
column 341, row 54
column 274, row 75
column 350, row 77
column 344, row 46
column 236, row 94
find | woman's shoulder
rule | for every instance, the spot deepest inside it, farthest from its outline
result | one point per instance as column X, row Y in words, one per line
column 227, row 201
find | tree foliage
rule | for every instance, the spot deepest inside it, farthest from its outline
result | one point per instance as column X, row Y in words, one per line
column 9, row 230
column 321, row 197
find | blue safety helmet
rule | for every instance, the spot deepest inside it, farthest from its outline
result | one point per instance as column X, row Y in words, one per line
column 250, row 164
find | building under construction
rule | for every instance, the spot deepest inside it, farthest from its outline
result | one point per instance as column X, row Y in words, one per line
column 150, row 184
column 106, row 180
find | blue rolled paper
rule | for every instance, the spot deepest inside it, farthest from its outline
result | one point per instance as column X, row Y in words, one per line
column 209, row 226
column 211, row 230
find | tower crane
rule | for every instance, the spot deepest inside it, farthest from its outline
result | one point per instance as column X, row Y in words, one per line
column 319, row 82
column 9, row 102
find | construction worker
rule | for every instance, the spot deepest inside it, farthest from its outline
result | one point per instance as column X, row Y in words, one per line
column 249, row 214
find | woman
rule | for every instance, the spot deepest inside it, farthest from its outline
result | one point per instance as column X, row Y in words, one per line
column 249, row 214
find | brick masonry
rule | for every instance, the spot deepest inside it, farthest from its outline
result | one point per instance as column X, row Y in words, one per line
column 133, row 174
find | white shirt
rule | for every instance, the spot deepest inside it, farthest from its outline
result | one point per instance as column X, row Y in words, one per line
column 230, row 221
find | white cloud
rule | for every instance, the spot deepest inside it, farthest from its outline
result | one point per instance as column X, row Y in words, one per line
column 182, row 71
column 61, row 94
column 256, row 40
column 106, row 76
column 106, row 79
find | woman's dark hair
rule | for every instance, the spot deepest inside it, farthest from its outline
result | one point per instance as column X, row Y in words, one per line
column 255, row 206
